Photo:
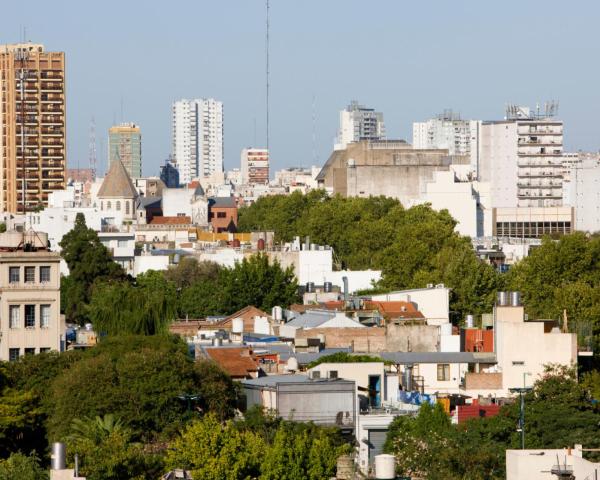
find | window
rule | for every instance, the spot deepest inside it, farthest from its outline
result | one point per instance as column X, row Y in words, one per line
column 315, row 374
column 29, row 316
column 44, row 349
column 30, row 351
column 517, row 363
column 333, row 374
column 13, row 354
column 45, row 274
column 127, row 208
column 29, row 274
column 13, row 274
column 101, row 205
column 14, row 316
column 108, row 205
column 44, row 316
column 221, row 214
column 122, row 243
column 443, row 372
column 118, row 206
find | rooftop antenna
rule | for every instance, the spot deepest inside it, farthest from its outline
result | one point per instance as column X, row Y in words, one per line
column 267, row 72
column 92, row 150
column 314, row 131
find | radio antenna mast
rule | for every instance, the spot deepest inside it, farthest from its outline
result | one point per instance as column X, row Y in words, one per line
column 92, row 150
column 267, row 72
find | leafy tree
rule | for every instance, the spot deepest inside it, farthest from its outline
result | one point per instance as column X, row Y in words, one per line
column 256, row 281
column 22, row 467
column 20, row 421
column 147, row 308
column 88, row 261
column 214, row 451
column 137, row 379
column 190, row 271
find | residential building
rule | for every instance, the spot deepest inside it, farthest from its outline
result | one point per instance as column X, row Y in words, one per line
column 550, row 464
column 391, row 168
column 584, row 194
column 125, row 144
column 358, row 123
column 521, row 158
column 446, row 131
column 255, row 166
column 532, row 222
column 189, row 201
column 169, row 175
column 197, row 149
column 299, row 398
column 30, row 320
column 222, row 214
column 32, row 133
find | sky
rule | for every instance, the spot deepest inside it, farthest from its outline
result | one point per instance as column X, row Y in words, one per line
column 129, row 60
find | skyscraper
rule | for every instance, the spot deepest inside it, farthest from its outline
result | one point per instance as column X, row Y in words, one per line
column 357, row 123
column 125, row 144
column 255, row 166
column 32, row 134
column 197, row 138
column 447, row 131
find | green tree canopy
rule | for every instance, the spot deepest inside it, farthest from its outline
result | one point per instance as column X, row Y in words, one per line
column 22, row 467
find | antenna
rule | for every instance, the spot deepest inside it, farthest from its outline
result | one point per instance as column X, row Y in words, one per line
column 267, row 72
column 92, row 150
column 314, row 131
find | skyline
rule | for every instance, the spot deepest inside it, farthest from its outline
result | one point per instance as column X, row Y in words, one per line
column 314, row 53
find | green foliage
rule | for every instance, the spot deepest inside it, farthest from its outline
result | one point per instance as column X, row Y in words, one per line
column 138, row 379
column 2, row 227
column 22, row 467
column 88, row 261
column 558, row 412
column 559, row 276
column 20, row 420
column 412, row 246
column 121, row 308
column 260, row 446
column 343, row 357
column 216, row 451
column 190, row 272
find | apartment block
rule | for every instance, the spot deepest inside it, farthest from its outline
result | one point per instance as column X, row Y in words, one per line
column 30, row 320
column 197, row 149
column 447, row 130
column 33, row 134
column 358, row 123
column 125, row 144
column 255, row 166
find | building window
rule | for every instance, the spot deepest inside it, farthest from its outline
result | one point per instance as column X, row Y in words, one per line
column 101, row 205
column 221, row 214
column 108, row 205
column 333, row 374
column 29, row 274
column 126, row 208
column 45, row 274
column 29, row 351
column 13, row 354
column 44, row 316
column 517, row 363
column 13, row 274
column 14, row 316
column 29, row 316
column 118, row 206
column 315, row 374
column 443, row 372
column 122, row 243
column 44, row 349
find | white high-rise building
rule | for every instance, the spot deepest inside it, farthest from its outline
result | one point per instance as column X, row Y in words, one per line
column 359, row 123
column 447, row 131
column 197, row 138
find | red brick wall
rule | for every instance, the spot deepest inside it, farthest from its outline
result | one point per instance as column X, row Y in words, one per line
column 483, row 381
column 370, row 339
column 221, row 224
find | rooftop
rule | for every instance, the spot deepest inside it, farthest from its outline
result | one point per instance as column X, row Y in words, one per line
column 117, row 183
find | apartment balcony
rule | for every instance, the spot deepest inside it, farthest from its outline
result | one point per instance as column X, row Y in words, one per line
column 52, row 120
column 52, row 131
column 51, row 87
column 51, row 108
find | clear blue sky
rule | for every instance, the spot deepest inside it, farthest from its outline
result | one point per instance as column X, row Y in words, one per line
column 408, row 59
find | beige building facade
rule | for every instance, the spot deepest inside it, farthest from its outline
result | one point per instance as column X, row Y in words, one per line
column 30, row 320
column 33, row 133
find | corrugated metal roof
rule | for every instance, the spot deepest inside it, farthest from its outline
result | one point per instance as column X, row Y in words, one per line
column 437, row 357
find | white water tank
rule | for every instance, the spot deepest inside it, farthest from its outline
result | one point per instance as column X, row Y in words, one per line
column 237, row 326
column 292, row 364
column 277, row 313
column 385, row 467
column 470, row 323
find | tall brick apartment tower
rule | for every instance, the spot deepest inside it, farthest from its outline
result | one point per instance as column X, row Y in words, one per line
column 33, row 129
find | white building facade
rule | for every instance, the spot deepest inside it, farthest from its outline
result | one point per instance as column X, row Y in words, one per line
column 447, row 131
column 197, row 149
column 357, row 123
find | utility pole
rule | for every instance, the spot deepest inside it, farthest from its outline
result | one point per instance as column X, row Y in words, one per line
column 522, row 391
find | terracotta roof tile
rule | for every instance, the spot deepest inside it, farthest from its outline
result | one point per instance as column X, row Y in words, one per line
column 237, row 362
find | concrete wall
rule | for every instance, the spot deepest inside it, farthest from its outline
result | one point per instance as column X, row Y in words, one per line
column 537, row 464
column 366, row 340
column 357, row 372
column 412, row 338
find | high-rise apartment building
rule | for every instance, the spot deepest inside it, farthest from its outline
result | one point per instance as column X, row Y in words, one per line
column 125, row 144
column 197, row 149
column 255, row 166
column 447, row 131
column 32, row 120
column 521, row 158
column 359, row 123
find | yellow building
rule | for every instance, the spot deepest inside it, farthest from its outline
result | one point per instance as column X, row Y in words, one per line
column 32, row 116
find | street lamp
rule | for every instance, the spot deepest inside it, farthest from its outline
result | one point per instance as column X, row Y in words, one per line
column 522, row 391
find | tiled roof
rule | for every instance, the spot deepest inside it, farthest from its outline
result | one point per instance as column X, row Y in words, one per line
column 237, row 362
column 117, row 183
column 222, row 202
column 247, row 314
column 395, row 309
column 171, row 221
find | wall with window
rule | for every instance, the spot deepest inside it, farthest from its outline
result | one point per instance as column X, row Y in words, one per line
column 30, row 320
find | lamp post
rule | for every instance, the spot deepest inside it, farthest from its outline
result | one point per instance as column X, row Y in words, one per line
column 522, row 391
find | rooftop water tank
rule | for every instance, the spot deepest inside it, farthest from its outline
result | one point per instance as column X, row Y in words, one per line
column 385, row 467
column 277, row 313
column 502, row 299
column 310, row 287
column 58, row 456
column 470, row 321
column 292, row 364
column 515, row 299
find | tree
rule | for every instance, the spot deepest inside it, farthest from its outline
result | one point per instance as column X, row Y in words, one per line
column 217, row 451
column 190, row 271
column 22, row 467
column 256, row 281
column 88, row 261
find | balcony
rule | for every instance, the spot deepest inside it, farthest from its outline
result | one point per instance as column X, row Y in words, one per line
column 51, row 87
